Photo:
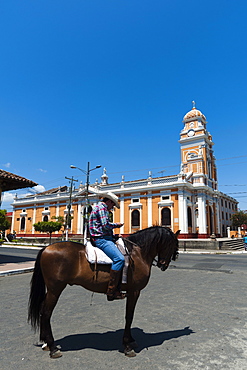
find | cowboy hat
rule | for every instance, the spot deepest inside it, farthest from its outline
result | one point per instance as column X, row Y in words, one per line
column 112, row 197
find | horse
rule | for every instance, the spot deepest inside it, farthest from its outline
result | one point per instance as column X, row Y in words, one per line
column 65, row 263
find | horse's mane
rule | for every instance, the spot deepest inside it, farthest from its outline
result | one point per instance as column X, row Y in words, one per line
column 151, row 237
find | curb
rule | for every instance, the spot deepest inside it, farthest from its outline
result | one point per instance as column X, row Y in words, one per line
column 16, row 272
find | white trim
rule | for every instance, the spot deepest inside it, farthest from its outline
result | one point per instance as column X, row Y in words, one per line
column 121, row 214
column 34, row 218
column 135, row 205
column 150, row 213
column 79, row 217
column 202, row 214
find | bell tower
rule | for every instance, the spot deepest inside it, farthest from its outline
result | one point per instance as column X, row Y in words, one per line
column 196, row 145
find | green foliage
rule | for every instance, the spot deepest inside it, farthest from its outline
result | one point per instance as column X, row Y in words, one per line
column 63, row 220
column 4, row 222
column 239, row 218
column 47, row 226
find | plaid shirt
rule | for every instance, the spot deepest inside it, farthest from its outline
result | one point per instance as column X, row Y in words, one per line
column 99, row 224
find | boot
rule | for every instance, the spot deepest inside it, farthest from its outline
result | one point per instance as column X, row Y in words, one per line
column 113, row 291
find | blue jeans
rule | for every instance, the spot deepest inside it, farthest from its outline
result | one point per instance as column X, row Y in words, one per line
column 110, row 249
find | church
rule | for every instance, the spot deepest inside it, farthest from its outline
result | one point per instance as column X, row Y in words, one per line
column 189, row 201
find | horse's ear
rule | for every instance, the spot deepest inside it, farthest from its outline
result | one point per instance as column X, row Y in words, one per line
column 177, row 233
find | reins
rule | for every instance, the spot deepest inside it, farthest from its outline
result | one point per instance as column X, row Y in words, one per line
column 136, row 245
column 126, row 248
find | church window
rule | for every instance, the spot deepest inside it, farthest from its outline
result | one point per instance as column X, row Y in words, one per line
column 166, row 217
column 135, row 218
column 45, row 218
column 165, row 197
column 189, row 217
column 135, row 200
column 110, row 216
column 23, row 223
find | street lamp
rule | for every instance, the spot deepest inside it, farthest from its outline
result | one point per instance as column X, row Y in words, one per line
column 87, row 185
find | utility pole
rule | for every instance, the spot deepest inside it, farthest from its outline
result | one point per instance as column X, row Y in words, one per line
column 87, row 173
column 68, row 217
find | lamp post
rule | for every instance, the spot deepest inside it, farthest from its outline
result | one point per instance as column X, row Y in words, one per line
column 87, row 173
column 68, row 217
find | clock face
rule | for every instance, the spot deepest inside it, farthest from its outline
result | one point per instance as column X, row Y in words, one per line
column 191, row 132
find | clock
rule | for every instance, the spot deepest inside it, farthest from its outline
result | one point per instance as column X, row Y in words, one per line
column 191, row 132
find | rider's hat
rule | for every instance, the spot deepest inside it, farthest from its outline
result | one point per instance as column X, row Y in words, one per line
column 112, row 197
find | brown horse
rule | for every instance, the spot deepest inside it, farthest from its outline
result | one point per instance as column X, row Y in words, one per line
column 65, row 263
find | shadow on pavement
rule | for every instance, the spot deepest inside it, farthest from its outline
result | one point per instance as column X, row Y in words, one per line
column 14, row 259
column 112, row 340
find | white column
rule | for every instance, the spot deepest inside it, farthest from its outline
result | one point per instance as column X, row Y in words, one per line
column 122, row 213
column 79, row 218
column 217, row 226
column 182, row 210
column 34, row 218
column 202, row 214
column 13, row 221
column 57, row 209
column 150, row 213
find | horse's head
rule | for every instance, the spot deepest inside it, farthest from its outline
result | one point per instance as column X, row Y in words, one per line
column 165, row 255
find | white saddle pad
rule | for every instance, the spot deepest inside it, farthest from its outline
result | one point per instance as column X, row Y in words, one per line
column 96, row 255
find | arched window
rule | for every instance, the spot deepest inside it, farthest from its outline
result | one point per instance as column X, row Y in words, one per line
column 189, row 217
column 166, row 217
column 135, row 218
column 110, row 216
column 45, row 218
column 23, row 223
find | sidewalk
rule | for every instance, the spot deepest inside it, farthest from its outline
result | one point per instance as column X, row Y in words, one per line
column 17, row 268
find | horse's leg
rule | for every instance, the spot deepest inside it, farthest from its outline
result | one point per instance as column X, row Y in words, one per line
column 45, row 324
column 128, row 341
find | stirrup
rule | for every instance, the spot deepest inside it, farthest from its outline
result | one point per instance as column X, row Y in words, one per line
column 116, row 295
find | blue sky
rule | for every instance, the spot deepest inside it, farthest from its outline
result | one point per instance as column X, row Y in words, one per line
column 108, row 82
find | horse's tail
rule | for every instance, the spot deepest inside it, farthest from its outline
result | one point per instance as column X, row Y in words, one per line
column 37, row 294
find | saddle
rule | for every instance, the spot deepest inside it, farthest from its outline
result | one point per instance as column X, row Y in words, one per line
column 97, row 256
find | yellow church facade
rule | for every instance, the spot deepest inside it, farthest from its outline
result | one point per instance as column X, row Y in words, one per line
column 189, row 201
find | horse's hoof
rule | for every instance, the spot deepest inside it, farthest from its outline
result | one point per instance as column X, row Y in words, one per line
column 133, row 344
column 129, row 353
column 56, row 354
column 45, row 347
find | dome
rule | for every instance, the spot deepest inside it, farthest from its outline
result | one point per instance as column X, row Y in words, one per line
column 194, row 113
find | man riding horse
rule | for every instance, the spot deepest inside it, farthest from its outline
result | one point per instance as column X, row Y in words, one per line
column 101, row 231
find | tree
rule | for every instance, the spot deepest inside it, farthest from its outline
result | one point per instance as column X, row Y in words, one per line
column 66, row 220
column 4, row 222
column 48, row 227
column 239, row 218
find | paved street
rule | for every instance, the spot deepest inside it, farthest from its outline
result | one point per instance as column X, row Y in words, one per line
column 189, row 317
